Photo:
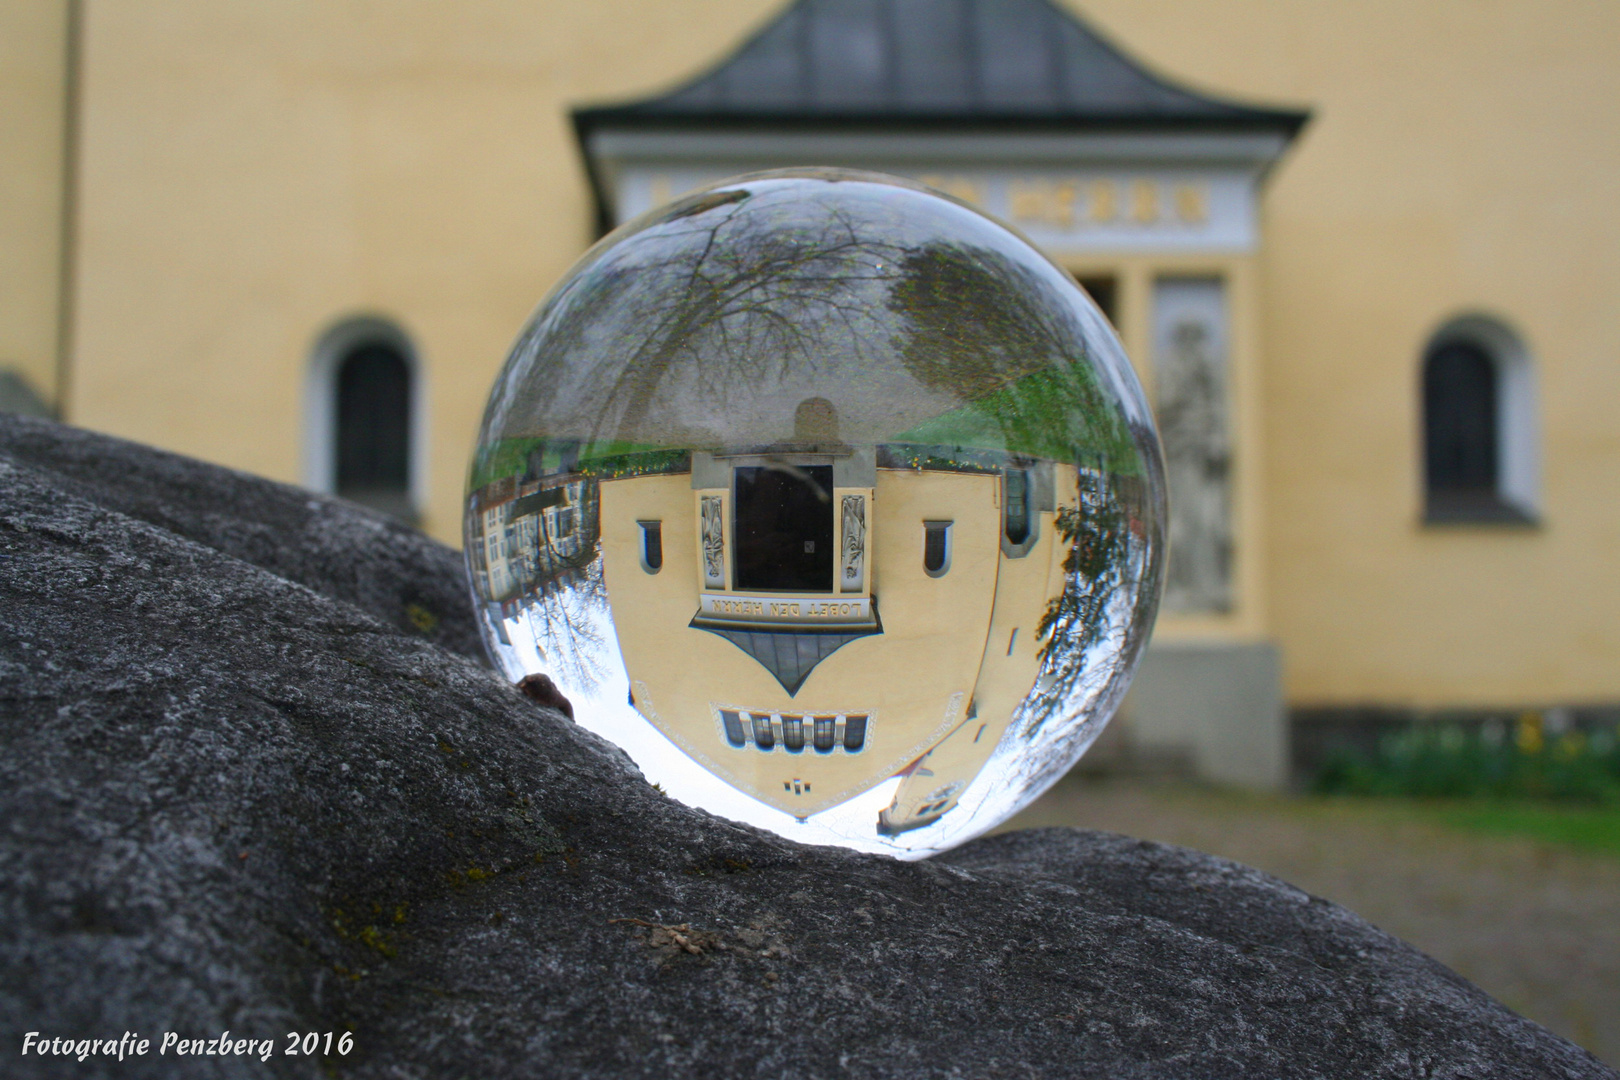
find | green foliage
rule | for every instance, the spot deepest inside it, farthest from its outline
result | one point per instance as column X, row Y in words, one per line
column 1056, row 414
column 995, row 334
column 1446, row 761
column 977, row 321
column 500, row 459
column 617, row 460
column 1094, row 571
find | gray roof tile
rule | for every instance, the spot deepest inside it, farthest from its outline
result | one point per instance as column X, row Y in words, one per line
column 930, row 62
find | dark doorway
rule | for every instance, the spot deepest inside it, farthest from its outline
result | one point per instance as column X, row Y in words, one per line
column 1459, row 428
column 784, row 528
column 374, row 428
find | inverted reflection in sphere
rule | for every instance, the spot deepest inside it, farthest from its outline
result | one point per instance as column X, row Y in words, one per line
column 830, row 500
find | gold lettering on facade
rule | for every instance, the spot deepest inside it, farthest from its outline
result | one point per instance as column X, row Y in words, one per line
column 1144, row 202
column 969, row 191
column 1044, row 201
column 1065, row 203
column 1103, row 204
column 1068, row 204
column 1192, row 203
column 1024, row 200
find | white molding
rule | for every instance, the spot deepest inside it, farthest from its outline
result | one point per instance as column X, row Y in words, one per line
column 1028, row 198
column 320, row 401
column 641, row 170
column 1518, row 443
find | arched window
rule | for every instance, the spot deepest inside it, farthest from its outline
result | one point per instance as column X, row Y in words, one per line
column 362, row 423
column 937, row 548
column 1479, row 446
column 374, row 427
column 652, row 546
column 1459, row 423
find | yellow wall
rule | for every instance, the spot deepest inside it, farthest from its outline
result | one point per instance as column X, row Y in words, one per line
column 1462, row 158
column 252, row 173
column 33, row 99
column 255, row 172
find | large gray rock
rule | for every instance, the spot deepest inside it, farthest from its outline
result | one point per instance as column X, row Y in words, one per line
column 255, row 778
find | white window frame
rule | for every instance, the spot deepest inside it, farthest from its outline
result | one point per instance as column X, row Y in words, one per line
column 320, row 402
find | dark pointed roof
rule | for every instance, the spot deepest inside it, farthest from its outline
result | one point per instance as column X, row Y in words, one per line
column 972, row 63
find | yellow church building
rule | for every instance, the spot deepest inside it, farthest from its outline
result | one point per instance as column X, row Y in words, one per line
column 1362, row 256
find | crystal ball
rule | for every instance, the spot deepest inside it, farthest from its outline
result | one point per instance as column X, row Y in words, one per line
column 828, row 498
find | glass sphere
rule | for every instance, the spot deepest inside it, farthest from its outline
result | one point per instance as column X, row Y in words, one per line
column 829, row 499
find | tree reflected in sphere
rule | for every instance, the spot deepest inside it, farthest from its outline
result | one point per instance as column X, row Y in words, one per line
column 831, row 501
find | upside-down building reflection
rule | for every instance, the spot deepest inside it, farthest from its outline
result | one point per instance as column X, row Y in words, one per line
column 806, row 620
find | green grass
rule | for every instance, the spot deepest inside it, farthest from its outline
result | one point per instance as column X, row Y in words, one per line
column 1518, row 781
column 1593, row 829
column 609, row 459
column 1579, row 826
column 1585, row 827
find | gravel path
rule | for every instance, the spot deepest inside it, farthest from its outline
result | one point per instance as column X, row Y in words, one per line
column 1538, row 927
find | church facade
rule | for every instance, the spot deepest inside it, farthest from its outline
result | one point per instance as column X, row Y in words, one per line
column 1362, row 259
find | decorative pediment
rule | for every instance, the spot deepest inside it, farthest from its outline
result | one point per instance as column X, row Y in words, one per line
column 790, row 655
